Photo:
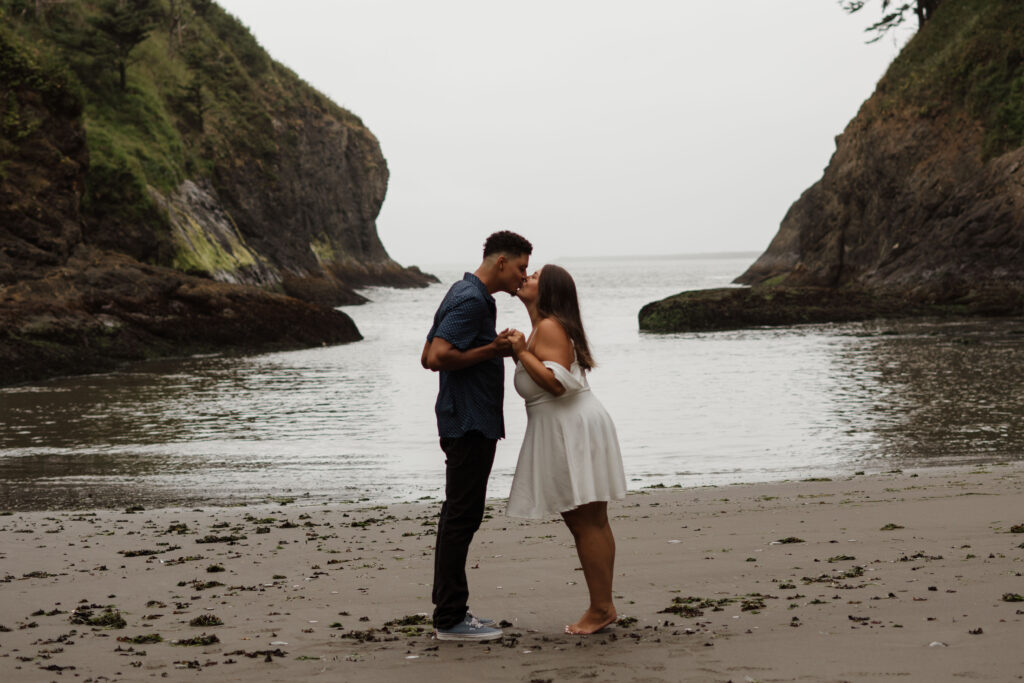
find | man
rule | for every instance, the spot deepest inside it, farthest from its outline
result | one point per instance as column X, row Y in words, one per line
column 464, row 346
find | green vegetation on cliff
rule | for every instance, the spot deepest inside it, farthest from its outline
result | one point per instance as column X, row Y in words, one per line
column 199, row 92
column 46, row 77
column 968, row 58
column 166, row 188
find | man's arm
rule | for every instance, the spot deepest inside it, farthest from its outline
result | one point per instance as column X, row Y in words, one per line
column 439, row 354
column 423, row 356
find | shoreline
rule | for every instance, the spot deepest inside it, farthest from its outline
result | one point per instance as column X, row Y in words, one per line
column 861, row 577
column 155, row 501
column 151, row 501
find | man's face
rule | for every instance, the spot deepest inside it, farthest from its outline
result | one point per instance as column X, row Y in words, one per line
column 513, row 272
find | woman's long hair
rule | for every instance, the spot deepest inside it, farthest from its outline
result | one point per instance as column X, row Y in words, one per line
column 556, row 299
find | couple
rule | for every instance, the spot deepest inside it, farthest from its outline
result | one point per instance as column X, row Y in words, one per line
column 569, row 463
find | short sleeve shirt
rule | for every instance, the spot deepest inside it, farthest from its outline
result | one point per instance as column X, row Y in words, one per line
column 469, row 399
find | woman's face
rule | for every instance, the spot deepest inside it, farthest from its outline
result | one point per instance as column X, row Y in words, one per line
column 528, row 292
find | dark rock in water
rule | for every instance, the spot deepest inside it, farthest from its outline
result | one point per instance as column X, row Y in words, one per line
column 921, row 208
column 744, row 307
column 102, row 309
column 734, row 308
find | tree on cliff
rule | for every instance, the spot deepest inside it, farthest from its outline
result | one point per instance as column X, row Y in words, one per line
column 893, row 15
column 192, row 94
column 120, row 26
column 201, row 6
column 37, row 9
column 177, row 20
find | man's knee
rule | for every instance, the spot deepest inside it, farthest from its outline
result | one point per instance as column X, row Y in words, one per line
column 464, row 522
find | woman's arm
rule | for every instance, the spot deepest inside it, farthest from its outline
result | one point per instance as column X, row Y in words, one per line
column 550, row 342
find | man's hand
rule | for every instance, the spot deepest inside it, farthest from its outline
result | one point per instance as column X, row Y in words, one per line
column 503, row 342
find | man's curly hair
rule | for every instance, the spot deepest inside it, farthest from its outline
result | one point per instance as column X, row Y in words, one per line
column 507, row 242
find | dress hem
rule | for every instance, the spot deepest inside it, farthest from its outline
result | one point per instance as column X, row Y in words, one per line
column 541, row 514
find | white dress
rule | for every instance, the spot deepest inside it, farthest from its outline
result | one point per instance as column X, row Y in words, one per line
column 570, row 454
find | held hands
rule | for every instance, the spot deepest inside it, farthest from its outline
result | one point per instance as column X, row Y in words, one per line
column 509, row 342
column 503, row 342
column 518, row 341
column 439, row 354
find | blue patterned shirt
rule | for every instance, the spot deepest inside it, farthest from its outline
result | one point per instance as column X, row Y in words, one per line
column 471, row 398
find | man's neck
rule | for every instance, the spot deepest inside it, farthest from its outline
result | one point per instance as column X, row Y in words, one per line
column 487, row 276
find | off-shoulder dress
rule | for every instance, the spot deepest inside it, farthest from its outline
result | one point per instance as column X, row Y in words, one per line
column 570, row 454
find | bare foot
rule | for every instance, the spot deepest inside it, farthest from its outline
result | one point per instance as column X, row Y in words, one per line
column 592, row 622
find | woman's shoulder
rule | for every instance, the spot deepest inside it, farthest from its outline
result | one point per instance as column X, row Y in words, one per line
column 553, row 342
column 551, row 328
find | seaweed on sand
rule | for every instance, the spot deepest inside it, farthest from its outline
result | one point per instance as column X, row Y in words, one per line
column 142, row 639
column 694, row 607
column 212, row 538
column 201, row 640
column 109, row 618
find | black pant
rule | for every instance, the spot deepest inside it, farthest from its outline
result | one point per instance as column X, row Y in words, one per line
column 468, row 465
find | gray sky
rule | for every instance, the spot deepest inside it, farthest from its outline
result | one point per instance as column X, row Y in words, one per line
column 591, row 127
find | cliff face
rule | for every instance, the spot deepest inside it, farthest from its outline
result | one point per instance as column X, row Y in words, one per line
column 907, row 205
column 921, row 208
column 298, row 216
column 67, row 306
column 43, row 160
column 145, row 221
column 310, row 212
column 925, row 193
column 243, row 172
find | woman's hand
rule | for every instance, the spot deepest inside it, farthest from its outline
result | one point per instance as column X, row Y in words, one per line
column 518, row 340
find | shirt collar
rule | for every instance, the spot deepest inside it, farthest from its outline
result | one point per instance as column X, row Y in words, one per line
column 469, row 277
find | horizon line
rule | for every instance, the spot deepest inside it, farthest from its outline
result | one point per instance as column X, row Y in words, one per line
column 666, row 257
column 753, row 255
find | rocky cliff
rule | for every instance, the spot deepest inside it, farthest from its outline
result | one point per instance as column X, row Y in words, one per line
column 216, row 202
column 921, row 208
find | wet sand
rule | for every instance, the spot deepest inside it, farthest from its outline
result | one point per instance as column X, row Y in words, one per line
column 913, row 575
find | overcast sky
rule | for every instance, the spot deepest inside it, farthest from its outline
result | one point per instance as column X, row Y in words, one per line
column 591, row 127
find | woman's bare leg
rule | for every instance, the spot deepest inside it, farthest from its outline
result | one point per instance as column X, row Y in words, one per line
column 595, row 546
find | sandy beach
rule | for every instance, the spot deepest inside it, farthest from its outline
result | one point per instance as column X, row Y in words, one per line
column 916, row 575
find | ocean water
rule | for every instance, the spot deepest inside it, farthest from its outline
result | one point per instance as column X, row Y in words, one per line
column 355, row 422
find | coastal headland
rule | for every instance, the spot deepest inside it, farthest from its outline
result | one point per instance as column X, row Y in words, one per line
column 920, row 211
column 902, row 574
column 208, row 200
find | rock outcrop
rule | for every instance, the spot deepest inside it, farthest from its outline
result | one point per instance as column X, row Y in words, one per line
column 100, row 309
column 921, row 208
column 134, row 226
column 303, row 220
column 908, row 205
column 69, row 307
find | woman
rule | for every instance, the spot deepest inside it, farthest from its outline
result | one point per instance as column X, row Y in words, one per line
column 570, row 461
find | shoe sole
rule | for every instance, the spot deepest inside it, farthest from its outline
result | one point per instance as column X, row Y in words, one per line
column 466, row 637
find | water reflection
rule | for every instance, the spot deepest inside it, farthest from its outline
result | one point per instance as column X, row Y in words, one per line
column 356, row 421
column 938, row 392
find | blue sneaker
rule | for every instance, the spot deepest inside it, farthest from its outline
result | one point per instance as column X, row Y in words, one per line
column 483, row 620
column 469, row 629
